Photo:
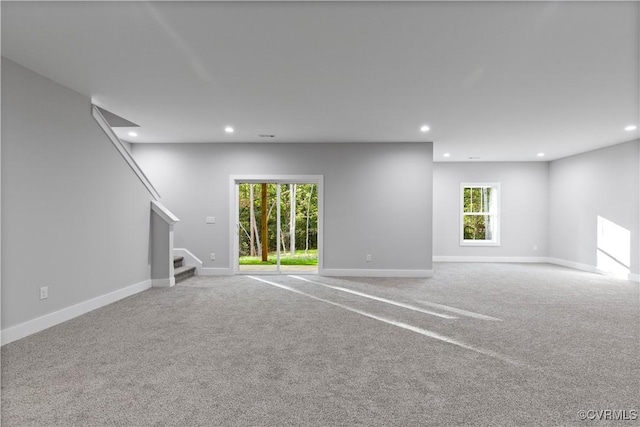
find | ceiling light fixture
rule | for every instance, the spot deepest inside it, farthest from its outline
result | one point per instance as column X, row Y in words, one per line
column 228, row 129
column 424, row 128
column 134, row 134
column 630, row 128
column 447, row 155
column 540, row 154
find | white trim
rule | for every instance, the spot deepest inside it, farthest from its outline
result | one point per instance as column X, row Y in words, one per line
column 538, row 260
column 163, row 212
column 277, row 179
column 479, row 243
column 234, row 223
column 496, row 215
column 446, row 258
column 163, row 283
column 123, row 151
column 278, row 225
column 30, row 327
column 193, row 261
column 284, row 272
column 632, row 277
column 190, row 259
column 614, row 275
column 571, row 264
column 354, row 272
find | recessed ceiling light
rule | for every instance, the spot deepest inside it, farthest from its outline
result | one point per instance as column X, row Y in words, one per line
column 424, row 128
column 132, row 134
column 228, row 129
column 447, row 155
column 540, row 154
column 631, row 127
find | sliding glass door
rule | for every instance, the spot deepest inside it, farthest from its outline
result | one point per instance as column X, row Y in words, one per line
column 277, row 227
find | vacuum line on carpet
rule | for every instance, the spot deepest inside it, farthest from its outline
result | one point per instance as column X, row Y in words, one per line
column 406, row 326
column 460, row 311
column 387, row 301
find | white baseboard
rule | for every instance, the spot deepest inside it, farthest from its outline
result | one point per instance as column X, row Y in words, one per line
column 193, row 261
column 574, row 265
column 621, row 275
column 591, row 269
column 549, row 260
column 30, row 327
column 445, row 258
column 352, row 272
column 163, row 283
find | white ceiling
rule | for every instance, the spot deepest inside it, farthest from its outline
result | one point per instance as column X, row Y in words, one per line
column 497, row 80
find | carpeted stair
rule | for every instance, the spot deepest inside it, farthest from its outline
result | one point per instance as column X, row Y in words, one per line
column 182, row 272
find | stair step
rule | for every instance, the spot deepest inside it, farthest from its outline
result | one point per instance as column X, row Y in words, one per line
column 177, row 261
column 183, row 273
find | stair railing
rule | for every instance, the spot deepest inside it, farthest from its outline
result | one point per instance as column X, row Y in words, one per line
column 97, row 115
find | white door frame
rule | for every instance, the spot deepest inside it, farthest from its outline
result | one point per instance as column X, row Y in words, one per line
column 234, row 214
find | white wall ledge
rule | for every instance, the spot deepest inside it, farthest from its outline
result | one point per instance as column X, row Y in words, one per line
column 164, row 213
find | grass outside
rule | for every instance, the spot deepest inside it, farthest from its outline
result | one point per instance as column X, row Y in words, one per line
column 301, row 257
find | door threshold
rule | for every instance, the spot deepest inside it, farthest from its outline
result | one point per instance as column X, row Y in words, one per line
column 276, row 273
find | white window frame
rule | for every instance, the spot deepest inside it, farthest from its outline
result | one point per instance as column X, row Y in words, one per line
column 496, row 215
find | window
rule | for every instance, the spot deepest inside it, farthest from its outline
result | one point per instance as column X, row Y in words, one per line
column 479, row 219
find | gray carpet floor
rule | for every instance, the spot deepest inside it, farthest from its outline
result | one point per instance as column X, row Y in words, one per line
column 478, row 344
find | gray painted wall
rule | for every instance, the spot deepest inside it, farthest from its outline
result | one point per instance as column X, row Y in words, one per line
column 160, row 248
column 523, row 207
column 74, row 216
column 582, row 187
column 377, row 197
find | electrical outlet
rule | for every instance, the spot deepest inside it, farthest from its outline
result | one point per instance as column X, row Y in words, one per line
column 535, row 247
column 213, row 256
column 368, row 257
column 211, row 220
column 44, row 292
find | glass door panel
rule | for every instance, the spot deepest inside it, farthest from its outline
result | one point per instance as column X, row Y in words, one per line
column 299, row 228
column 257, row 229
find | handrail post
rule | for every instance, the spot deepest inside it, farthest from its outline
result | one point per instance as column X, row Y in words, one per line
column 162, row 222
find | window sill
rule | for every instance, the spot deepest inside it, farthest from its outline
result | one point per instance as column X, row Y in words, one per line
column 479, row 243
